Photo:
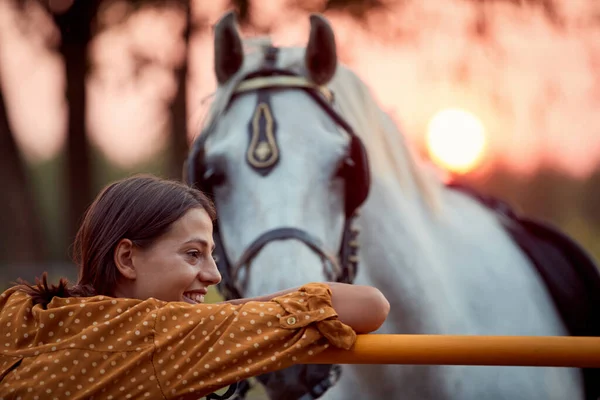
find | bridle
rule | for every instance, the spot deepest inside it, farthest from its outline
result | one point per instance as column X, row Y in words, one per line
column 331, row 269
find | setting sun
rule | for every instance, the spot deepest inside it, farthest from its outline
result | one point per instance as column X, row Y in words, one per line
column 455, row 140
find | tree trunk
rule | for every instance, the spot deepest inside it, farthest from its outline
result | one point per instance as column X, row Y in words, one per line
column 20, row 225
column 179, row 113
column 76, row 32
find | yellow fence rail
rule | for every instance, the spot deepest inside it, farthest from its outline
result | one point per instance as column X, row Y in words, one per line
column 540, row 351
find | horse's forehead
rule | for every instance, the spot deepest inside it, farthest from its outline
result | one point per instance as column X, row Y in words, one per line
column 301, row 126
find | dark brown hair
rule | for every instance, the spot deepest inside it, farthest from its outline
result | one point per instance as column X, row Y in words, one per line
column 140, row 208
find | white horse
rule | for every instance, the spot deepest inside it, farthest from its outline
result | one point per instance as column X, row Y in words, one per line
column 272, row 154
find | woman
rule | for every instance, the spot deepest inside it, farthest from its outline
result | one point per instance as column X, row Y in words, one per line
column 135, row 325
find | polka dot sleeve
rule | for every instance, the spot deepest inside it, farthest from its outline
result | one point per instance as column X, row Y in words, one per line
column 201, row 348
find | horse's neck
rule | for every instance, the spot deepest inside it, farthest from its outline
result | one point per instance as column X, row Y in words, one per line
column 403, row 239
column 392, row 245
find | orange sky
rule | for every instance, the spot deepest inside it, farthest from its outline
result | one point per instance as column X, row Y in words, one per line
column 535, row 89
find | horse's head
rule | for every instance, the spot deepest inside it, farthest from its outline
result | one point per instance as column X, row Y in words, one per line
column 286, row 170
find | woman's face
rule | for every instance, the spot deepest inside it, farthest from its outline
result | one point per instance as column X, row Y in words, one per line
column 179, row 265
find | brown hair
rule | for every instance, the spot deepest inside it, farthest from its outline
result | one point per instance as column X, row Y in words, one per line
column 140, row 208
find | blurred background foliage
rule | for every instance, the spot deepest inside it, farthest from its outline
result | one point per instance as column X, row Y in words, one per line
column 43, row 198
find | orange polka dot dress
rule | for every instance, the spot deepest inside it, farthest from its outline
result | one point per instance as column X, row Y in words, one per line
column 107, row 348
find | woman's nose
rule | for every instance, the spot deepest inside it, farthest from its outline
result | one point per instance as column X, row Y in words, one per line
column 210, row 273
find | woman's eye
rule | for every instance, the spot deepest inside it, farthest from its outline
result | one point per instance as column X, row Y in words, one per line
column 194, row 253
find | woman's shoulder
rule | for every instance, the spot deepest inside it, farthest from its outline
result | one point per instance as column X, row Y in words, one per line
column 100, row 301
column 12, row 297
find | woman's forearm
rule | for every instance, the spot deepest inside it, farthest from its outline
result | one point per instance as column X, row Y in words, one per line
column 363, row 308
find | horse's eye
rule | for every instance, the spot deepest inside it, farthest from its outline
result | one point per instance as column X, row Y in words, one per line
column 213, row 175
column 343, row 167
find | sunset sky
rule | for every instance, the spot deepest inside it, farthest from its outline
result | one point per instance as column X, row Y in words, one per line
column 534, row 86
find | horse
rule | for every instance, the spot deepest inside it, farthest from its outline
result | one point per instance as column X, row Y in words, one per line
column 305, row 169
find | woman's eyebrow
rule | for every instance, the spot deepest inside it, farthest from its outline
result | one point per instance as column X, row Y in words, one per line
column 201, row 242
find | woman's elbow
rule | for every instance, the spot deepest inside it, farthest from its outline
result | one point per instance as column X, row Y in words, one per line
column 364, row 308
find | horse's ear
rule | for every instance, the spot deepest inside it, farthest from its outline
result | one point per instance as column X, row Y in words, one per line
column 321, row 54
column 229, row 53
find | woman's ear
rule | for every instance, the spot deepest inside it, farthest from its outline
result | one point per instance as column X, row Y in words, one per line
column 123, row 258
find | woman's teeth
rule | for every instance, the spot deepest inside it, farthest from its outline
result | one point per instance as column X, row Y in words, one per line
column 195, row 297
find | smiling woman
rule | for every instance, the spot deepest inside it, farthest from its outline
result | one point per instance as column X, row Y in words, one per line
column 134, row 326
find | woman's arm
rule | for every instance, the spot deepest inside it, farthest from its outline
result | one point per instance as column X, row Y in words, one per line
column 363, row 308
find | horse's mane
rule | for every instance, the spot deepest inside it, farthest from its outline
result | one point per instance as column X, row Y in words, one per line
column 390, row 155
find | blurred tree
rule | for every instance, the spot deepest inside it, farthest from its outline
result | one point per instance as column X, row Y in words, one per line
column 178, row 108
column 356, row 8
column 21, row 235
column 74, row 19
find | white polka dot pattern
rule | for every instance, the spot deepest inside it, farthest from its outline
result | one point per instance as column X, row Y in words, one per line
column 109, row 348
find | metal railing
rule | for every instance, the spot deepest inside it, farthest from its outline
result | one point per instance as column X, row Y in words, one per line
column 541, row 351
